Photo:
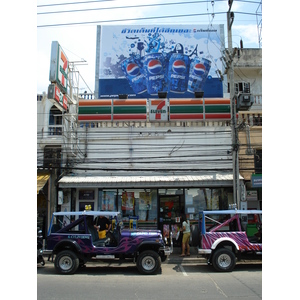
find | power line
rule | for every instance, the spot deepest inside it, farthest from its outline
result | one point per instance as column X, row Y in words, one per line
column 123, row 20
column 122, row 7
column 73, row 3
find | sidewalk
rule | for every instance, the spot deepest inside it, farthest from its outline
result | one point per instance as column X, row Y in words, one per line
column 175, row 257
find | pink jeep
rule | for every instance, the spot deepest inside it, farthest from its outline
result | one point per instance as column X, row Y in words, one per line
column 227, row 235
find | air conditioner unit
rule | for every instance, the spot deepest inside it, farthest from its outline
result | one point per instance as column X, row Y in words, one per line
column 244, row 101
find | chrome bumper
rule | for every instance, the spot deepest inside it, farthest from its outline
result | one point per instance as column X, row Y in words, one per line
column 167, row 250
column 204, row 251
column 47, row 252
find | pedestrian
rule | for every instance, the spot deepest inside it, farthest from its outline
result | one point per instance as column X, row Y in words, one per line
column 186, row 236
column 102, row 224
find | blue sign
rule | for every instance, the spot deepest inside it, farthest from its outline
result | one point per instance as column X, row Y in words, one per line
column 256, row 180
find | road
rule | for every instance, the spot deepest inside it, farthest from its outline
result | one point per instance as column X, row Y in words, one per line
column 176, row 281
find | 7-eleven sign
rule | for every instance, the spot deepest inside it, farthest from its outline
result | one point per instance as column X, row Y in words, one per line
column 59, row 67
column 158, row 110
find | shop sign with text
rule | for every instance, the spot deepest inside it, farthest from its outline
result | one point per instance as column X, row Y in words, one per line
column 55, row 93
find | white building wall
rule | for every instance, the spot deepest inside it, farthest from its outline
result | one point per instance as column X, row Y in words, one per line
column 153, row 150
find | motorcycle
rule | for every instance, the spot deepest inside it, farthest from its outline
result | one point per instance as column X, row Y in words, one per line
column 40, row 258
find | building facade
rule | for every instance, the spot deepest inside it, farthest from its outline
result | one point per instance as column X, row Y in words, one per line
column 148, row 162
column 248, row 78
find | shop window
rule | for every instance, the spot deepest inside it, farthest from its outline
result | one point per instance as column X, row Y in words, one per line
column 107, row 200
column 207, row 199
column 141, row 203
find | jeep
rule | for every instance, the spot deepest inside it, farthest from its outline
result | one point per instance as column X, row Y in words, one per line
column 73, row 240
column 228, row 235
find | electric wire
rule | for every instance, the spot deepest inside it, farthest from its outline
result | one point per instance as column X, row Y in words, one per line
column 121, row 7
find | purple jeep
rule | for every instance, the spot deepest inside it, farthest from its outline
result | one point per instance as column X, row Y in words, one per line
column 226, row 235
column 74, row 241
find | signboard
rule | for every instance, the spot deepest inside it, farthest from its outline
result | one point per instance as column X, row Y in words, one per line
column 158, row 110
column 256, row 180
column 86, row 195
column 59, row 67
column 251, row 195
column 54, row 93
column 142, row 61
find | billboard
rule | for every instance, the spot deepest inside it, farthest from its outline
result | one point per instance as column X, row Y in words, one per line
column 141, row 61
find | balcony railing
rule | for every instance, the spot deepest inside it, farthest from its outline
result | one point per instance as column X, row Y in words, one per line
column 250, row 118
column 86, row 96
column 55, row 130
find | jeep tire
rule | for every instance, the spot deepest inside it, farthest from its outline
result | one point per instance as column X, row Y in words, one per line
column 66, row 262
column 223, row 260
column 148, row 262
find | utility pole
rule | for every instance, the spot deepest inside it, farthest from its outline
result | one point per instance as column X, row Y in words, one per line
column 235, row 144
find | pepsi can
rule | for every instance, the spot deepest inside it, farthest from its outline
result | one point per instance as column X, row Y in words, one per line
column 178, row 73
column 132, row 70
column 156, row 71
column 199, row 70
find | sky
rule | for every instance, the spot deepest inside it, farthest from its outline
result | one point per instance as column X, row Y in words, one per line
column 79, row 40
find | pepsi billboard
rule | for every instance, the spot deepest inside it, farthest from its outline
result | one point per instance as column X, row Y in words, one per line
column 142, row 61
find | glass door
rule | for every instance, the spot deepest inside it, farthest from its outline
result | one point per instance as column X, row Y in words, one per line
column 171, row 210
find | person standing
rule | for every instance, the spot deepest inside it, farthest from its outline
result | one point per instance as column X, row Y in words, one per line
column 186, row 236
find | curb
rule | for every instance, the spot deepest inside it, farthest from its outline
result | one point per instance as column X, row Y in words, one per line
column 176, row 259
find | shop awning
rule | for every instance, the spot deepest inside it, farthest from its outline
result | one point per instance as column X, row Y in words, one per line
column 168, row 181
column 41, row 181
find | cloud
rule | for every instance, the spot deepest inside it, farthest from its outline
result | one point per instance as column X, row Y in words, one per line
column 248, row 33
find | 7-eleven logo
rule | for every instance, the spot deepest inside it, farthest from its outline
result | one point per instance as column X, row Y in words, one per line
column 63, row 68
column 158, row 110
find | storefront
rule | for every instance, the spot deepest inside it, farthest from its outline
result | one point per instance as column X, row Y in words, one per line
column 157, row 202
column 42, row 200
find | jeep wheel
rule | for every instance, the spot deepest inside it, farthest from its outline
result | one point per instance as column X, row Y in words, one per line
column 66, row 262
column 223, row 260
column 148, row 262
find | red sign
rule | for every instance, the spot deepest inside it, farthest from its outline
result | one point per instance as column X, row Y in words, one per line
column 55, row 93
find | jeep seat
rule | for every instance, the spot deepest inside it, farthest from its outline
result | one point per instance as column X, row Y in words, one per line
column 95, row 237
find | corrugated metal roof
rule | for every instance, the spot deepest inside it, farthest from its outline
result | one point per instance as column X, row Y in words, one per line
column 213, row 179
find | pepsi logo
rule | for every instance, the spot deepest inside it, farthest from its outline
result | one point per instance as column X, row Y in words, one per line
column 154, row 67
column 179, row 66
column 132, row 69
column 199, row 69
